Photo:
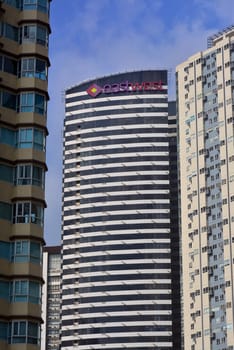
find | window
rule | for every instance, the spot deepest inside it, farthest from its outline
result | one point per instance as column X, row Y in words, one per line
column 32, row 102
column 25, row 138
column 26, row 251
column 7, row 136
column 34, row 34
column 8, row 65
column 3, row 330
column 31, row 138
column 9, row 31
column 5, row 250
column 38, row 176
column 28, row 174
column 25, row 291
column 21, row 332
column 28, row 212
column 14, row 3
column 54, row 262
column 5, row 211
column 4, row 290
column 40, row 5
column 27, row 102
column 7, row 99
column 32, row 67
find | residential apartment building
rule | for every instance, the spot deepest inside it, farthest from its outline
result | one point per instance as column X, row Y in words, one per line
column 120, row 251
column 205, row 94
column 23, row 99
column 51, row 296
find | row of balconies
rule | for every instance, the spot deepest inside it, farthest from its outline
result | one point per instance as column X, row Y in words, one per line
column 21, row 231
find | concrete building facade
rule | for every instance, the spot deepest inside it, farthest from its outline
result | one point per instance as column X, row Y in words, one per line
column 23, row 100
column 205, row 94
column 120, row 224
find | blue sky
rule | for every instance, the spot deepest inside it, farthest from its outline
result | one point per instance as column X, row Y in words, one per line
column 91, row 38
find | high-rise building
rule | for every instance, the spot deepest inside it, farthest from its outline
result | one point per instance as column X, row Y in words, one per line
column 205, row 91
column 23, row 99
column 120, row 265
column 51, row 296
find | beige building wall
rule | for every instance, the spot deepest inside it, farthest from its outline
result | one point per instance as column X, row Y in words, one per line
column 23, row 129
column 205, row 84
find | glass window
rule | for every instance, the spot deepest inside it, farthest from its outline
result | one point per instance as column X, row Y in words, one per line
column 3, row 330
column 18, row 332
column 34, row 292
column 39, row 140
column 32, row 67
column 26, row 251
column 31, row 138
column 5, row 250
column 5, row 211
column 38, row 176
column 29, row 33
column 9, row 31
column 54, row 261
column 35, row 34
column 29, row 4
column 25, row 138
column 33, row 333
column 27, row 67
column 40, row 5
column 19, row 291
column 6, row 173
column 4, row 290
column 7, row 136
column 14, row 3
column 7, row 99
column 28, row 174
column 39, row 104
column 25, row 291
column 35, row 252
column 42, row 36
column 41, row 69
column 31, row 102
column 9, row 65
column 23, row 174
column 28, row 212
column 27, row 102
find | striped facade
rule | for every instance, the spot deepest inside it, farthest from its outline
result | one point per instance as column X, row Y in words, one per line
column 119, row 201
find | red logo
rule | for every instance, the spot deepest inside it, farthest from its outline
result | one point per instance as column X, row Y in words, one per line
column 94, row 90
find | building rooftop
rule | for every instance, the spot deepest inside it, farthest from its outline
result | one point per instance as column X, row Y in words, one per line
column 211, row 39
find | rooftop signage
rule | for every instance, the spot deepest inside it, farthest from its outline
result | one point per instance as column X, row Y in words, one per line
column 95, row 90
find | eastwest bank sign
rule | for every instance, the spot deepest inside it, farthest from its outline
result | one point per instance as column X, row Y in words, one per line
column 95, row 90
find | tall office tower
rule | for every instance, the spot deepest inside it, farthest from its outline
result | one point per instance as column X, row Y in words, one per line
column 206, row 112
column 23, row 99
column 51, row 298
column 117, row 263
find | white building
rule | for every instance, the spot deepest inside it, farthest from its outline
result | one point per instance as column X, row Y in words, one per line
column 120, row 225
column 205, row 90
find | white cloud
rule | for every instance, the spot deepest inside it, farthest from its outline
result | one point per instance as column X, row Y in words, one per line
column 136, row 36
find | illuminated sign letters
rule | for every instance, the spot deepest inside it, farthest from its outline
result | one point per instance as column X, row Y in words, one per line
column 94, row 90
